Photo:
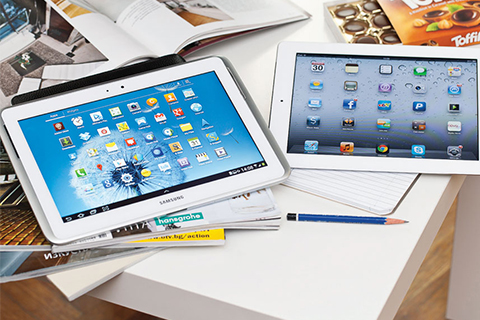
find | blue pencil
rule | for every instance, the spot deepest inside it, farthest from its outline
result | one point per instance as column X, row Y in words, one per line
column 342, row 219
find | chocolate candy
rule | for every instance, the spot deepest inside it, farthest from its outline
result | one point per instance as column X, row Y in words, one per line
column 346, row 12
column 436, row 15
column 467, row 17
column 355, row 26
column 363, row 22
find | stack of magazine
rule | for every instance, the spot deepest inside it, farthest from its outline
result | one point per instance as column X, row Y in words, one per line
column 26, row 253
column 54, row 36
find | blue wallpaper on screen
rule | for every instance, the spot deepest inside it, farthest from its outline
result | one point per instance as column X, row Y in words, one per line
column 89, row 161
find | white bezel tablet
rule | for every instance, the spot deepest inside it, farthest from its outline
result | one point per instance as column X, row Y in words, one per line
column 131, row 149
column 378, row 108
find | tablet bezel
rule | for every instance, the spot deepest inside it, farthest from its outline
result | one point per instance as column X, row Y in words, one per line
column 275, row 172
column 282, row 104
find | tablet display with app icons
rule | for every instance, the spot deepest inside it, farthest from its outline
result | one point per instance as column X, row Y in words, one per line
column 147, row 146
column 385, row 108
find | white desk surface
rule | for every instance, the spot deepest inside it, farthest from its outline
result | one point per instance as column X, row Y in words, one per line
column 305, row 270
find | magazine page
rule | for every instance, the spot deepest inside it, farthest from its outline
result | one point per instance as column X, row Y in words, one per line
column 34, row 39
column 100, row 30
column 249, row 207
column 174, row 24
column 167, row 26
column 18, row 265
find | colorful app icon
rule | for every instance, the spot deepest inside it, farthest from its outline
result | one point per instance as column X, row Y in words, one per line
column 316, row 84
column 347, row 147
column 72, row 156
column 212, row 136
column 221, row 152
column 88, row 188
column 384, row 105
column 168, row 132
column 194, row 142
column 385, row 87
column 159, row 117
column 383, row 124
column 205, row 123
column 170, row 97
column 350, row 85
column 99, row 167
column 455, row 151
column 108, row 183
column 382, row 148
column 111, row 147
column 59, row 126
column 313, row 121
column 454, row 126
column 454, row 107
column 454, row 71
column 146, row 173
column 310, row 145
column 118, row 163
column 77, row 121
column 455, row 89
column 115, row 111
column 157, row 152
column 141, row 122
column 419, row 88
column 196, row 107
column 130, row 142
column 149, row 137
column 175, row 147
column 202, row 157
column 138, row 157
column 164, row 166
column 419, row 106
column 385, row 69
column 348, row 122
column 152, row 102
column 351, row 68
column 65, row 142
column 187, row 93
column 134, row 106
column 349, row 104
column 419, row 125
column 315, row 103
column 85, row 136
column 183, row 162
column 81, row 173
column 96, row 116
column 420, row 71
column 317, row 66
column 418, row 150
column 178, row 112
column 186, row 127
column 105, row 131
column 123, row 126
column 92, row 152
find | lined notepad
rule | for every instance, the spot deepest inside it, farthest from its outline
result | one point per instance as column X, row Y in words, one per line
column 377, row 192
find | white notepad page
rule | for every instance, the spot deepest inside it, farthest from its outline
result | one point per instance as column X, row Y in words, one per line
column 376, row 192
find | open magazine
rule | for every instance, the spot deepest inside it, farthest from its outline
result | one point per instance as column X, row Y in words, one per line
column 255, row 210
column 129, row 30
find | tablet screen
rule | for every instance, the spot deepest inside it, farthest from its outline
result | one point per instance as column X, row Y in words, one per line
column 109, row 153
column 384, row 107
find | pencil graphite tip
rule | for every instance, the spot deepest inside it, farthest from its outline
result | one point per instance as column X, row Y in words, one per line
column 395, row 221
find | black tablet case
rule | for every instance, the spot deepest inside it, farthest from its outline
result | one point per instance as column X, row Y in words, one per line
column 123, row 72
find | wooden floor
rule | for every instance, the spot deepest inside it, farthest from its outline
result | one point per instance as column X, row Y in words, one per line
column 40, row 300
